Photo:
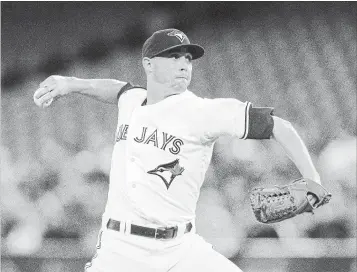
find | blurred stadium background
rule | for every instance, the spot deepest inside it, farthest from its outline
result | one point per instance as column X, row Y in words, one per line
column 297, row 57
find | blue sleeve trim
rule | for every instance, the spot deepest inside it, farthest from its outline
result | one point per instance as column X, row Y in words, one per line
column 126, row 88
column 246, row 120
column 261, row 123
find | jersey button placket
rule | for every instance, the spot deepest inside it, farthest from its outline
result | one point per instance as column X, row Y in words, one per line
column 131, row 159
column 131, row 165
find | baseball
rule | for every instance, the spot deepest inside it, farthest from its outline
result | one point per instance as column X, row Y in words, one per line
column 47, row 103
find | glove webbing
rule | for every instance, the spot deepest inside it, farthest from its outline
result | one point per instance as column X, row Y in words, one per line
column 284, row 205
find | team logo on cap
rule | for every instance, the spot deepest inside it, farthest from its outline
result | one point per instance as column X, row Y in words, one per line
column 179, row 35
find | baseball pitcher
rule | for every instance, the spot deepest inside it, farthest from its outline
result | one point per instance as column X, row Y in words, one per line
column 163, row 146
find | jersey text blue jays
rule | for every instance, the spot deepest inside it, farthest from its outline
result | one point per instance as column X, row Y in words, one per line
column 155, row 138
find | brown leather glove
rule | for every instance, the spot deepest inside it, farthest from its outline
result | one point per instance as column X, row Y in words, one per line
column 279, row 203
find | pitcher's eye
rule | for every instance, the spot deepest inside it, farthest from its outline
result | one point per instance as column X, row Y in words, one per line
column 174, row 55
column 189, row 57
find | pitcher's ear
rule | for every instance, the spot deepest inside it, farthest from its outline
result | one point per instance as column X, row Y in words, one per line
column 147, row 64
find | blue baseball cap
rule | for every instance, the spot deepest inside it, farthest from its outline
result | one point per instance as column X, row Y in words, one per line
column 170, row 40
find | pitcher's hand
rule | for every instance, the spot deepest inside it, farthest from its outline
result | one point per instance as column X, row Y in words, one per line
column 52, row 88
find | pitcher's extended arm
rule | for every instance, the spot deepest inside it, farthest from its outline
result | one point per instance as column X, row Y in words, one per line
column 53, row 87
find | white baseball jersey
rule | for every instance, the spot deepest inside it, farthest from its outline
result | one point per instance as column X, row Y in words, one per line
column 162, row 152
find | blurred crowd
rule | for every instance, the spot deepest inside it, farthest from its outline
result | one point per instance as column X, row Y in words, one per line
column 55, row 163
column 64, row 195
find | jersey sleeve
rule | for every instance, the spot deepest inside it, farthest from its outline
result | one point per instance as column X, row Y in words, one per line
column 225, row 117
column 125, row 88
column 129, row 92
column 232, row 117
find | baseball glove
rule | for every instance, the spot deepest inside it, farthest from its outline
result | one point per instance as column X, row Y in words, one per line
column 279, row 203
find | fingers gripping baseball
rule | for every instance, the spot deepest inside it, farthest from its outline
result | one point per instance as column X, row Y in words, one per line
column 43, row 97
column 50, row 89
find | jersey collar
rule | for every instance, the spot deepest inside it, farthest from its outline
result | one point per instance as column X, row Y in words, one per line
column 144, row 103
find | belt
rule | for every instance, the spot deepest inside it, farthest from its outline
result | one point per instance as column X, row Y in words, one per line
column 159, row 233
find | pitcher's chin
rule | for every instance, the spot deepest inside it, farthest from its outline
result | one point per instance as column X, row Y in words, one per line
column 181, row 85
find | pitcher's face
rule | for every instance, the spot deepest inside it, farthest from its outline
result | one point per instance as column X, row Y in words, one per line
column 173, row 69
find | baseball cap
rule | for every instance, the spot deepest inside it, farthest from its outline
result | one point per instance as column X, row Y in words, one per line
column 169, row 40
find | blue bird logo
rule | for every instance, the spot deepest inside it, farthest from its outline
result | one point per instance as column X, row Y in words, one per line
column 173, row 168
